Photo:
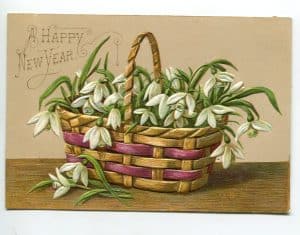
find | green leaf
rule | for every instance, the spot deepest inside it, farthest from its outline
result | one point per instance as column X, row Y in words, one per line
column 256, row 90
column 53, row 87
column 99, row 184
column 65, row 95
column 88, row 195
column 244, row 103
column 94, row 68
column 89, row 63
column 219, row 67
column 183, row 75
column 144, row 72
column 224, row 62
column 99, row 172
column 61, row 102
column 132, row 126
column 74, row 87
column 57, row 100
column 198, row 74
column 109, row 75
column 41, row 185
column 191, row 71
column 230, row 130
column 106, row 61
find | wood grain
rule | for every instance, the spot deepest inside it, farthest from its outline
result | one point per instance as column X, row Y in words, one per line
column 245, row 187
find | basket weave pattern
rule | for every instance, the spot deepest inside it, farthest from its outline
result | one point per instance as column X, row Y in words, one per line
column 151, row 158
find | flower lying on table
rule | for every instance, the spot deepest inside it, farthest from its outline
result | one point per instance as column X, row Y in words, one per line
column 67, row 177
column 179, row 100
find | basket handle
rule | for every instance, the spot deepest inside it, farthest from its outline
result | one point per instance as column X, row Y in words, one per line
column 131, row 67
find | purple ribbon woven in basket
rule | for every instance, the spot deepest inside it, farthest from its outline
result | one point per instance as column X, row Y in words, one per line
column 139, row 149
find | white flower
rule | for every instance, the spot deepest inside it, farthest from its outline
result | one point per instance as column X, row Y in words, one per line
column 100, row 90
column 188, row 100
column 55, row 183
column 179, row 109
column 87, row 102
column 87, row 108
column 42, row 121
column 78, row 171
column 169, row 119
column 64, row 185
column 191, row 103
column 224, row 77
column 170, row 73
column 78, row 73
column 179, row 122
column 209, row 114
column 89, row 87
column 80, row 101
column 152, row 90
column 113, row 99
column 97, row 136
column 237, row 87
column 253, row 127
column 163, row 107
column 228, row 153
column 119, row 79
column 218, row 77
column 114, row 118
column 146, row 114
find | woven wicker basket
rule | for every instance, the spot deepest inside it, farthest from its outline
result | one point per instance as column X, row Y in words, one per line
column 150, row 158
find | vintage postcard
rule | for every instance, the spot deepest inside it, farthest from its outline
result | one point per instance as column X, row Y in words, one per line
column 148, row 113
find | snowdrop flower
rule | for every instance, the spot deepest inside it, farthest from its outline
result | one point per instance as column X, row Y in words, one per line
column 170, row 73
column 209, row 114
column 78, row 171
column 228, row 152
column 113, row 99
column 80, row 101
column 97, row 136
column 252, row 128
column 160, row 100
column 146, row 114
column 237, row 87
column 179, row 122
column 179, row 97
column 119, row 79
column 87, row 108
column 62, row 184
column 100, row 90
column 114, row 118
column 218, row 77
column 55, row 183
column 152, row 90
column 42, row 121
column 87, row 103
column 78, row 73
column 88, row 87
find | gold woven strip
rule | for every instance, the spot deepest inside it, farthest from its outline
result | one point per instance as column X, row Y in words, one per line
column 184, row 186
column 198, row 183
column 66, row 115
column 163, row 163
column 157, row 173
column 153, row 185
column 209, row 140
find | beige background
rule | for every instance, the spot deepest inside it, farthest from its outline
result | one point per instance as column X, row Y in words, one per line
column 259, row 47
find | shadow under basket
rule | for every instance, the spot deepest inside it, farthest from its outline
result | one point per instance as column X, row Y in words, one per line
column 145, row 157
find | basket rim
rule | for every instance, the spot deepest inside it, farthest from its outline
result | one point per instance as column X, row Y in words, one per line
column 66, row 114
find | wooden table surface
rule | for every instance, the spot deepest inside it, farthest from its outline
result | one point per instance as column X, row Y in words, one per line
column 245, row 187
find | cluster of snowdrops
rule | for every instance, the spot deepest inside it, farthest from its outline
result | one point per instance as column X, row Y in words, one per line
column 196, row 98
